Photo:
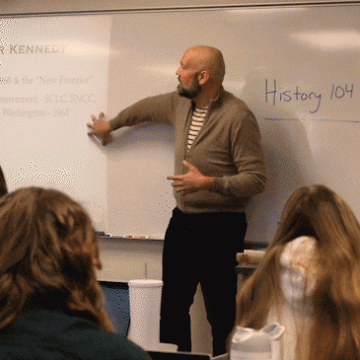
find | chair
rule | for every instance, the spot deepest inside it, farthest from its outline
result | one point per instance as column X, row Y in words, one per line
column 117, row 304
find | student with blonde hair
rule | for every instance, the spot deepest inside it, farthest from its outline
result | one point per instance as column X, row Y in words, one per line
column 51, row 305
column 309, row 279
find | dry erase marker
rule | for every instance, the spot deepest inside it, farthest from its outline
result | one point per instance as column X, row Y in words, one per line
column 137, row 237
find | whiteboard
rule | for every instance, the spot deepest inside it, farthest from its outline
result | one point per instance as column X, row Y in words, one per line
column 296, row 67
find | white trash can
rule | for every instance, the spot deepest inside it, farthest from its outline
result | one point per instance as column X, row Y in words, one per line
column 145, row 297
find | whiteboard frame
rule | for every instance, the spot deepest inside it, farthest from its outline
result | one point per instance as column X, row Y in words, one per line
column 45, row 7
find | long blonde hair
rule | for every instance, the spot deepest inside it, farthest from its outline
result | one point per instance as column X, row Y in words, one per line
column 318, row 212
column 48, row 256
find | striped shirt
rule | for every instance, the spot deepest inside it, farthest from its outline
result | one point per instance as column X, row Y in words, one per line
column 197, row 121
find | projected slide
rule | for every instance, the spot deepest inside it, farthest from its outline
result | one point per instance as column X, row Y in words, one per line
column 53, row 75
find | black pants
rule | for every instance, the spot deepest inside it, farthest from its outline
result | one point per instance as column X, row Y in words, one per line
column 200, row 248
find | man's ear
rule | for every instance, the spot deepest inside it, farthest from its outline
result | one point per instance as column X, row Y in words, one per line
column 203, row 77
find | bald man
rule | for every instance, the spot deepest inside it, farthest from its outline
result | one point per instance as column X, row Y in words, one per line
column 219, row 167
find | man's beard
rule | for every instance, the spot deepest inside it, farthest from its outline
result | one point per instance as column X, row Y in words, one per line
column 191, row 91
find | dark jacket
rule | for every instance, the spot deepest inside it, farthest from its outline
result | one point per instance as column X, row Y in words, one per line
column 52, row 335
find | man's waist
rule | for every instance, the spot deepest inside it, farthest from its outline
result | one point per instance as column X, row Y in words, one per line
column 205, row 201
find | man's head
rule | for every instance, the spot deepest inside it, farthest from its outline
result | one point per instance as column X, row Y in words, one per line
column 202, row 69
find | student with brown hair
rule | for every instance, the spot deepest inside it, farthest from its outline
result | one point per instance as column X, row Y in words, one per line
column 309, row 279
column 51, row 305
column 3, row 187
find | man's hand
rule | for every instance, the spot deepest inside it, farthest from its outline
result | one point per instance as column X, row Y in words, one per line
column 100, row 127
column 192, row 181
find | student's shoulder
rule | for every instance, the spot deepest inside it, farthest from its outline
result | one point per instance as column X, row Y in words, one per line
column 75, row 336
column 94, row 343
